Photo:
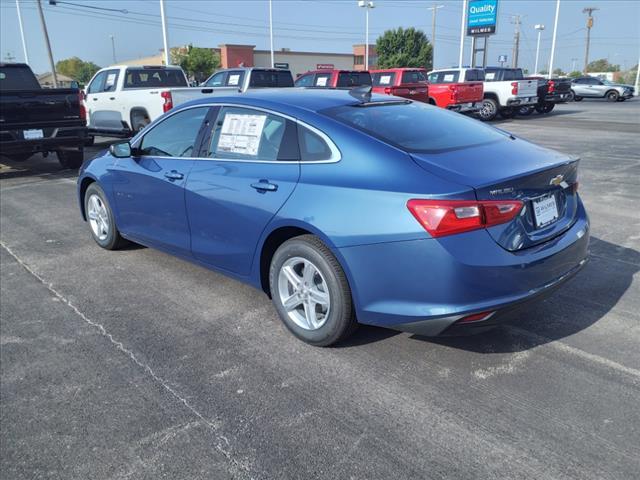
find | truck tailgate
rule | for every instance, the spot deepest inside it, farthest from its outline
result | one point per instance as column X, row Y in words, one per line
column 469, row 92
column 25, row 109
column 527, row 88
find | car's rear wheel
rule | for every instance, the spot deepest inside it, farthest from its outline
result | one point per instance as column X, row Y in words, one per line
column 526, row 111
column 546, row 108
column 571, row 96
column 70, row 158
column 507, row 112
column 612, row 96
column 576, row 98
column 101, row 219
column 489, row 109
column 310, row 292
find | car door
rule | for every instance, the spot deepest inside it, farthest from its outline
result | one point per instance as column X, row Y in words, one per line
column 249, row 168
column 93, row 96
column 598, row 88
column 216, row 80
column 106, row 114
column 149, row 186
column 305, row 80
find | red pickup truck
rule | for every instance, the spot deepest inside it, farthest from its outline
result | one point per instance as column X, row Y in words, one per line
column 460, row 90
column 402, row 82
column 333, row 79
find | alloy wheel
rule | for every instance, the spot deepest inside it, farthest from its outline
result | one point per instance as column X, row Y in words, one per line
column 98, row 217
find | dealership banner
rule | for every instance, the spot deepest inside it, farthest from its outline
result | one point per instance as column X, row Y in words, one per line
column 482, row 16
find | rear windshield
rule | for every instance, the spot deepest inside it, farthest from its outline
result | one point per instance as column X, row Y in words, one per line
column 416, row 126
column 17, row 78
column 154, row 77
column 446, row 76
column 383, row 79
column 271, row 78
column 474, row 75
column 353, row 79
column 414, row 76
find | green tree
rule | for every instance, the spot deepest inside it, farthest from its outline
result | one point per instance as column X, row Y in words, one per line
column 77, row 69
column 602, row 65
column 558, row 72
column 199, row 63
column 404, row 48
column 544, row 71
column 575, row 74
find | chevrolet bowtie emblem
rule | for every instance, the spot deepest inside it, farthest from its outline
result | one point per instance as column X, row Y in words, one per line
column 557, row 180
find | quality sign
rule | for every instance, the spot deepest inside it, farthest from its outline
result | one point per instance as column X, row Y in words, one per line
column 482, row 16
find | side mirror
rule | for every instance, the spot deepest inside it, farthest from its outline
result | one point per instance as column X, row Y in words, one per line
column 120, row 150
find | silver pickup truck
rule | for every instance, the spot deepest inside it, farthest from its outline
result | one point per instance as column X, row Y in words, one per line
column 506, row 90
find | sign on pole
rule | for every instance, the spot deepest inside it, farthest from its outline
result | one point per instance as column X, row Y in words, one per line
column 502, row 59
column 482, row 16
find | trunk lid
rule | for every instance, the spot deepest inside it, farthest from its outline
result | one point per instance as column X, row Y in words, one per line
column 542, row 179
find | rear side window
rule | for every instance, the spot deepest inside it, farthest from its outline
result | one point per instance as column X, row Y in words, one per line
column 234, row 79
column 312, row 147
column 18, row 78
column 445, row 76
column 383, row 79
column 271, row 78
column 415, row 76
column 353, row 79
column 415, row 126
column 474, row 76
column 154, row 77
column 176, row 135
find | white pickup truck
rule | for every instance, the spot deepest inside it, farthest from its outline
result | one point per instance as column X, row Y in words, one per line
column 506, row 90
column 121, row 100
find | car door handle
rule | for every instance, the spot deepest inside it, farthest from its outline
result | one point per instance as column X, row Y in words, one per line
column 264, row 186
column 95, row 99
column 112, row 98
column 173, row 175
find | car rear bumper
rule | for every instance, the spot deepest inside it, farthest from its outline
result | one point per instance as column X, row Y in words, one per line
column 13, row 141
column 467, row 107
column 520, row 101
column 426, row 286
column 557, row 97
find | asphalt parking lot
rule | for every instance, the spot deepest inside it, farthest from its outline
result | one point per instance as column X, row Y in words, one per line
column 137, row 365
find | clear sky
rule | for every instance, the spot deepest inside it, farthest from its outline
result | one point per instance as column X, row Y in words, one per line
column 312, row 25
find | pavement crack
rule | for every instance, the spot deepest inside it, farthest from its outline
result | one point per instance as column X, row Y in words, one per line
column 240, row 468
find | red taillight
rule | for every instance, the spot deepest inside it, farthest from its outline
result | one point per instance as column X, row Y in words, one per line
column 454, row 92
column 447, row 217
column 514, row 88
column 83, row 110
column 168, row 101
column 387, row 90
column 552, row 86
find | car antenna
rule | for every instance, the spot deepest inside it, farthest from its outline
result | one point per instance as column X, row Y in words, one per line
column 362, row 94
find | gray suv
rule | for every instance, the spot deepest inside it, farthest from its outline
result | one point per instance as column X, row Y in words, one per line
column 592, row 87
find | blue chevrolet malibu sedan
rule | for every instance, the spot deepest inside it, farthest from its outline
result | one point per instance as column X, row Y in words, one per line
column 347, row 208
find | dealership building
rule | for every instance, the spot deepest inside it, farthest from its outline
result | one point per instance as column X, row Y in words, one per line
column 232, row 56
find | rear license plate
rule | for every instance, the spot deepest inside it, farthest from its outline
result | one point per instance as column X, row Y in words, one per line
column 545, row 210
column 32, row 134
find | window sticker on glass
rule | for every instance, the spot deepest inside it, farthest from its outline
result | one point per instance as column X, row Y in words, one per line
column 234, row 79
column 489, row 76
column 449, row 77
column 111, row 79
column 241, row 134
column 385, row 79
column 321, row 82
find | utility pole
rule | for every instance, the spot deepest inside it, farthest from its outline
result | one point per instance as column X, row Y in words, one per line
column 553, row 41
column 46, row 39
column 113, row 49
column 588, row 11
column 574, row 61
column 165, row 40
column 515, row 19
column 462, row 25
column 24, row 43
column 433, row 32
column 539, row 28
column 271, row 34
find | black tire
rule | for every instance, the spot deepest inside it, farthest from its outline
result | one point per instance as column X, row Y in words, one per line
column 340, row 322
column 546, row 108
column 576, row 98
column 621, row 99
column 113, row 240
column 90, row 141
column 612, row 96
column 70, row 158
column 507, row 112
column 488, row 110
column 19, row 157
column 571, row 96
column 526, row 111
column 139, row 121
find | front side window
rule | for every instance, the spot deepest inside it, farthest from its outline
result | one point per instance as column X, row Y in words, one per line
column 97, row 83
column 246, row 134
column 176, row 135
column 234, row 79
column 322, row 80
column 216, row 81
column 110, row 81
column 304, row 81
column 415, row 126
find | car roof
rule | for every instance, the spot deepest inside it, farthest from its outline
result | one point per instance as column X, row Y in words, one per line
column 288, row 100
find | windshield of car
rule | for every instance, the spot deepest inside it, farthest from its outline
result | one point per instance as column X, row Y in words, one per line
column 415, row 126
column 154, row 77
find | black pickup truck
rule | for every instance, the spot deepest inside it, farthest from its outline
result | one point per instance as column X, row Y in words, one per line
column 35, row 119
column 550, row 92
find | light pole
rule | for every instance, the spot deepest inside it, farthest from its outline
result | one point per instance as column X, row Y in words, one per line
column 433, row 33
column 368, row 5
column 553, row 41
column 24, row 43
column 540, row 28
column 113, row 49
column 464, row 17
column 271, row 33
column 165, row 40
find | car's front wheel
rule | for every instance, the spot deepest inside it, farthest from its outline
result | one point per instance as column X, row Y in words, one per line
column 101, row 219
column 310, row 291
column 70, row 158
column 612, row 96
